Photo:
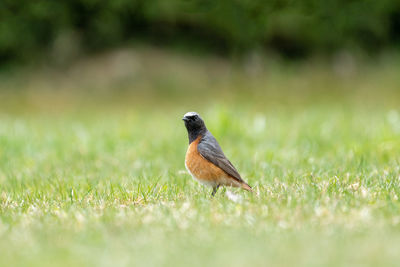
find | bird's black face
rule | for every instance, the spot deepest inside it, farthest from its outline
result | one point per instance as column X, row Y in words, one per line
column 194, row 124
column 193, row 121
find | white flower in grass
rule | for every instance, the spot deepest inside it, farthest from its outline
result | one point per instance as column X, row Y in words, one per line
column 364, row 192
column 79, row 218
column 233, row 197
column 283, row 224
column 365, row 214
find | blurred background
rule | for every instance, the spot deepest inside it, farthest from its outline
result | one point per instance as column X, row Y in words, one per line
column 54, row 54
column 62, row 30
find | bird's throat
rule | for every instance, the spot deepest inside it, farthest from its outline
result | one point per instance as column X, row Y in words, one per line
column 195, row 133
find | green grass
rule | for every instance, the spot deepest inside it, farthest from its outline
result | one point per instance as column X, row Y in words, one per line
column 106, row 185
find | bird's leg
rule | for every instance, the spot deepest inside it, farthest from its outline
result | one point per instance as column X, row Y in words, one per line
column 214, row 190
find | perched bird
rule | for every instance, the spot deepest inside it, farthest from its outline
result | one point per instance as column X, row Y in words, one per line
column 205, row 160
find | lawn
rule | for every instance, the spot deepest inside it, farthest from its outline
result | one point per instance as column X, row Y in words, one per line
column 100, row 180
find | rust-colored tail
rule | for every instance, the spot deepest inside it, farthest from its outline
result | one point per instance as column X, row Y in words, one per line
column 247, row 187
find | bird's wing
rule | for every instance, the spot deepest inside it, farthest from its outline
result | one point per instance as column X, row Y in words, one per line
column 210, row 149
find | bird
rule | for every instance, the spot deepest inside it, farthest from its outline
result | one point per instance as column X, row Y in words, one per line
column 205, row 160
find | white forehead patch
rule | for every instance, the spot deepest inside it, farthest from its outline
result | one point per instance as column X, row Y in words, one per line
column 190, row 114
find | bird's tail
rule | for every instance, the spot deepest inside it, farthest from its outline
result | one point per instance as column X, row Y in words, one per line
column 247, row 187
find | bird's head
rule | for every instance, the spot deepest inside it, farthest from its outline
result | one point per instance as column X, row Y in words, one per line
column 194, row 123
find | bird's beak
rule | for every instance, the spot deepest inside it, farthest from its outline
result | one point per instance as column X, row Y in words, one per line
column 185, row 119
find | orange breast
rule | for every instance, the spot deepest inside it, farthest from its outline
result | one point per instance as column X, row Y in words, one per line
column 205, row 171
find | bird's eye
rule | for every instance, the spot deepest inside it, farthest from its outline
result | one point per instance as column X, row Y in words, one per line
column 193, row 118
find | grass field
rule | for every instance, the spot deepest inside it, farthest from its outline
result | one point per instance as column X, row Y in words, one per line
column 100, row 180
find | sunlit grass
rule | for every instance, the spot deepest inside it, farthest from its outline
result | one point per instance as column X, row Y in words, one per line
column 106, row 185
column 112, row 189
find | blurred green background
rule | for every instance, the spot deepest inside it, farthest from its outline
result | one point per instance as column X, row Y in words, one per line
column 31, row 29
column 303, row 97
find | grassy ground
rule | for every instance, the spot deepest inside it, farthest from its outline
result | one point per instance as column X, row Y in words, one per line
column 100, row 180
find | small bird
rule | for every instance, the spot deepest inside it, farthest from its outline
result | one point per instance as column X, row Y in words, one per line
column 205, row 160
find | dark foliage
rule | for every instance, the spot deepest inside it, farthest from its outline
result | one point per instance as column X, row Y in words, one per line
column 293, row 28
